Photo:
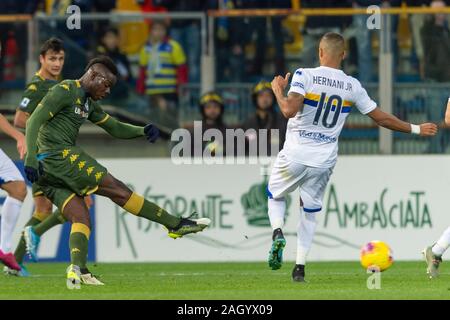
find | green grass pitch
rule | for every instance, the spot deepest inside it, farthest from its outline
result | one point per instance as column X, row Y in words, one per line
column 185, row 281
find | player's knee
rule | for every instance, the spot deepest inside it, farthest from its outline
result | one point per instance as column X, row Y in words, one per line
column 43, row 205
column 81, row 218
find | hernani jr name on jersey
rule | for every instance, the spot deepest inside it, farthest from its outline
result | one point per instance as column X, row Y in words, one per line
column 324, row 81
column 333, row 83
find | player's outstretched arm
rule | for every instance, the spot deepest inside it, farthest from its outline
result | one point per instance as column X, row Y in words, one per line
column 7, row 128
column 391, row 122
column 291, row 104
column 123, row 130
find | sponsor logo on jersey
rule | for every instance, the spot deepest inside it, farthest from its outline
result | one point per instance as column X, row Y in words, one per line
column 81, row 112
column 316, row 136
column 84, row 110
column 298, row 84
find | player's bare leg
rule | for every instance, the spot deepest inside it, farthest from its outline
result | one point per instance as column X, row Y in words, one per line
column 17, row 192
column 120, row 194
column 43, row 204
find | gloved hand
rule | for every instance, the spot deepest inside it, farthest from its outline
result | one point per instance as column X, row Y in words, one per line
column 33, row 174
column 151, row 132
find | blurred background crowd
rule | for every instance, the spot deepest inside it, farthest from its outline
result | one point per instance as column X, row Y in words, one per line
column 159, row 60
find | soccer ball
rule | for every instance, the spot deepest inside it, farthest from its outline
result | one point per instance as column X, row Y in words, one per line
column 376, row 256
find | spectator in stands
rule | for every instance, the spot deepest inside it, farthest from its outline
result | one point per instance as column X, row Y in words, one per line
column 212, row 109
column 79, row 47
column 265, row 117
column 20, row 6
column 229, row 44
column 104, row 5
column 416, row 23
column 148, row 6
column 364, row 37
column 259, row 25
column 316, row 26
column 436, row 43
column 109, row 46
column 364, row 41
column 16, row 31
column 187, row 32
column 162, row 68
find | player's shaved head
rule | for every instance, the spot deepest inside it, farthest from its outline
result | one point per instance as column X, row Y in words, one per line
column 331, row 49
column 333, row 44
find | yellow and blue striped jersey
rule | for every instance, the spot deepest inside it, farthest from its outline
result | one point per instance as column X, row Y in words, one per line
column 161, row 62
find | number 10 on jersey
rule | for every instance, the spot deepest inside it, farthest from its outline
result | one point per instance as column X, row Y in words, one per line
column 334, row 103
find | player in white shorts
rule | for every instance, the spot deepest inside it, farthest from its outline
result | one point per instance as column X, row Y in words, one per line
column 433, row 254
column 318, row 102
column 13, row 183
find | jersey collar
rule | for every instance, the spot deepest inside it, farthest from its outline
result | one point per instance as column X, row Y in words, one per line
column 329, row 68
column 85, row 94
column 38, row 74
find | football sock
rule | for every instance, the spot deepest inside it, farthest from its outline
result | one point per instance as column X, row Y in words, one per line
column 305, row 234
column 21, row 246
column 78, row 243
column 140, row 207
column 51, row 221
column 277, row 209
column 442, row 244
column 10, row 213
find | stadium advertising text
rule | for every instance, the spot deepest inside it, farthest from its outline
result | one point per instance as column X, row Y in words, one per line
column 369, row 197
column 413, row 211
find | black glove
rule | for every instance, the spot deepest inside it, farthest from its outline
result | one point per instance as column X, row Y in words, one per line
column 33, row 174
column 151, row 132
